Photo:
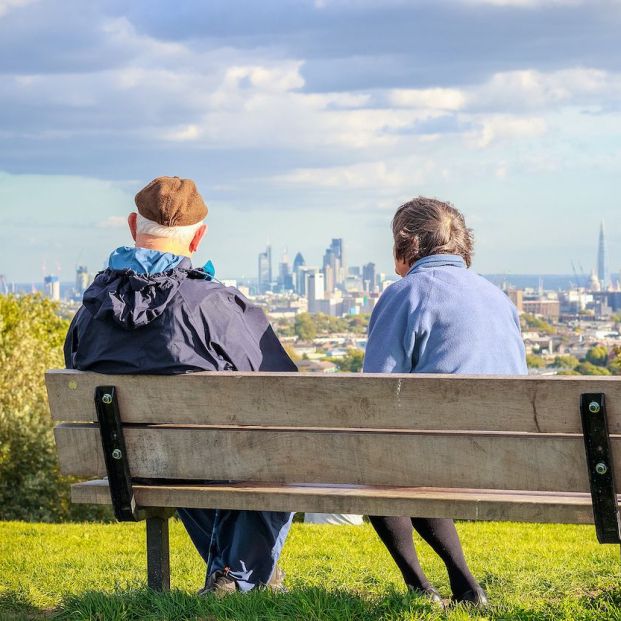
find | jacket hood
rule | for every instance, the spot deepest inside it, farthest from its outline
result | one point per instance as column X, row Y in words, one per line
column 134, row 300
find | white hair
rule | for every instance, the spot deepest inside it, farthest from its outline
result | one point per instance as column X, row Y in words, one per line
column 182, row 234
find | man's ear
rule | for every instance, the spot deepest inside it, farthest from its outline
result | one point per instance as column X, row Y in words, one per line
column 131, row 220
column 198, row 236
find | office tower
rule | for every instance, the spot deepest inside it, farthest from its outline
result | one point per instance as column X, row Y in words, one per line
column 264, row 281
column 369, row 278
column 285, row 280
column 302, row 278
column 298, row 262
column 4, row 288
column 334, row 266
column 602, row 266
column 51, row 287
column 82, row 280
column 316, row 291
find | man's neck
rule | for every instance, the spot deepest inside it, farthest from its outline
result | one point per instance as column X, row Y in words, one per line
column 162, row 245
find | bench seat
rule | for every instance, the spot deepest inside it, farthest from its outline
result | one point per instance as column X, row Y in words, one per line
column 467, row 504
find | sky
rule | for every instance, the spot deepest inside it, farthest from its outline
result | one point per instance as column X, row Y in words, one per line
column 304, row 120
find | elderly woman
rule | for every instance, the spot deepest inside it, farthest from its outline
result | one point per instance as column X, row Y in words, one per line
column 441, row 317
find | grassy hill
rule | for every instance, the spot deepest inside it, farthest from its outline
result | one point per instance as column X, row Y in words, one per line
column 97, row 571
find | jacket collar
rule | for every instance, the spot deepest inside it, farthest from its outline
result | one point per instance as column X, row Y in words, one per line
column 145, row 261
column 438, row 260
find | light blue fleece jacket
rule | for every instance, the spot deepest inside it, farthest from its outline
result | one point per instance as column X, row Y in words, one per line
column 444, row 318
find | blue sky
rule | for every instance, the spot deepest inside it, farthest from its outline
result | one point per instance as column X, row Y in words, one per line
column 305, row 120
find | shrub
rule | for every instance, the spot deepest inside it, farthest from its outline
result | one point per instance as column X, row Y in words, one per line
column 31, row 486
column 535, row 362
column 597, row 355
column 587, row 368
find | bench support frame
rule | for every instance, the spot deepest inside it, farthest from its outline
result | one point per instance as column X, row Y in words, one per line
column 122, row 493
column 600, row 466
column 158, row 550
column 115, row 455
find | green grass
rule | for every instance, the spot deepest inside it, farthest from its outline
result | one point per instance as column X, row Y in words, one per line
column 72, row 572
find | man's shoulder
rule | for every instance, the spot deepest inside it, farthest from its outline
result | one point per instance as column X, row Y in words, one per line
column 197, row 290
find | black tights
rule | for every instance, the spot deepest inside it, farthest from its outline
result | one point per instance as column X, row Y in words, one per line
column 440, row 534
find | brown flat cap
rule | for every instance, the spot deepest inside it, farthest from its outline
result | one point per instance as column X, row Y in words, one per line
column 171, row 201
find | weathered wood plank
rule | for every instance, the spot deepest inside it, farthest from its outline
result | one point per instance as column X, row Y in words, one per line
column 532, row 404
column 542, row 462
column 428, row 502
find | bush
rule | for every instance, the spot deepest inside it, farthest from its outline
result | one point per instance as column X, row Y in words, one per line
column 31, row 487
column 535, row 362
column 587, row 368
column 598, row 355
column 565, row 362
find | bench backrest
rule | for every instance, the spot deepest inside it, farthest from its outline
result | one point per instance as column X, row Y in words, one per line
column 509, row 433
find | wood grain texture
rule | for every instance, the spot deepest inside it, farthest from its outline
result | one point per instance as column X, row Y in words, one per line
column 530, row 404
column 542, row 462
column 428, row 502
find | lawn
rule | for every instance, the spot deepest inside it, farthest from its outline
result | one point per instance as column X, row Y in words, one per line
column 97, row 571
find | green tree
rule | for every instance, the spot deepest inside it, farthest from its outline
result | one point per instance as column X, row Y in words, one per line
column 587, row 368
column 536, row 323
column 565, row 362
column 597, row 355
column 305, row 328
column 31, row 487
column 535, row 362
column 351, row 362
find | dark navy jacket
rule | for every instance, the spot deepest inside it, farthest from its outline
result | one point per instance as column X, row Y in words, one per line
column 177, row 321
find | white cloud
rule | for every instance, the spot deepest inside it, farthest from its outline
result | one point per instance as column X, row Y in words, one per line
column 113, row 222
column 433, row 98
column 8, row 5
column 500, row 127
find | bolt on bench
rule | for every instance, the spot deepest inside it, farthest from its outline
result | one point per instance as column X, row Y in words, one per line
column 534, row 449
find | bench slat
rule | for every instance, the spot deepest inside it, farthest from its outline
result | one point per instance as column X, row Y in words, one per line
column 430, row 502
column 543, row 462
column 530, row 404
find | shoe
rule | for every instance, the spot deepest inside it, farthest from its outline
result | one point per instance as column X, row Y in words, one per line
column 219, row 584
column 476, row 597
column 428, row 593
column 277, row 582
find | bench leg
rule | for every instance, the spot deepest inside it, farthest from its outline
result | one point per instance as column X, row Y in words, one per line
column 158, row 553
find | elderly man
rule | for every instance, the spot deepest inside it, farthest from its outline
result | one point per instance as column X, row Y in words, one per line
column 152, row 312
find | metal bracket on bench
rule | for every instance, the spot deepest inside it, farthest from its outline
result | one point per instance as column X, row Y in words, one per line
column 600, row 465
column 115, row 454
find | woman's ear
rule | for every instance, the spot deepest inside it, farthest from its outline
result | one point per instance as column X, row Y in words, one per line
column 131, row 220
column 401, row 267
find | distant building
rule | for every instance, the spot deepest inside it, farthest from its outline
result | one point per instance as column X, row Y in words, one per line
column 285, row 277
column 315, row 291
column 302, row 278
column 602, row 263
column 316, row 366
column 369, row 277
column 298, row 262
column 549, row 309
column 82, row 280
column 334, row 265
column 517, row 297
column 51, row 287
column 264, row 280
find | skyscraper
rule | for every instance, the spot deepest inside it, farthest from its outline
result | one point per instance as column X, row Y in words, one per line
column 264, row 280
column 315, row 291
column 602, row 265
column 82, row 279
column 334, row 266
column 369, row 278
column 51, row 287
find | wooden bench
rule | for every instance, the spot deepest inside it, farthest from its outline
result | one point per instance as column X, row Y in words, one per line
column 475, row 448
